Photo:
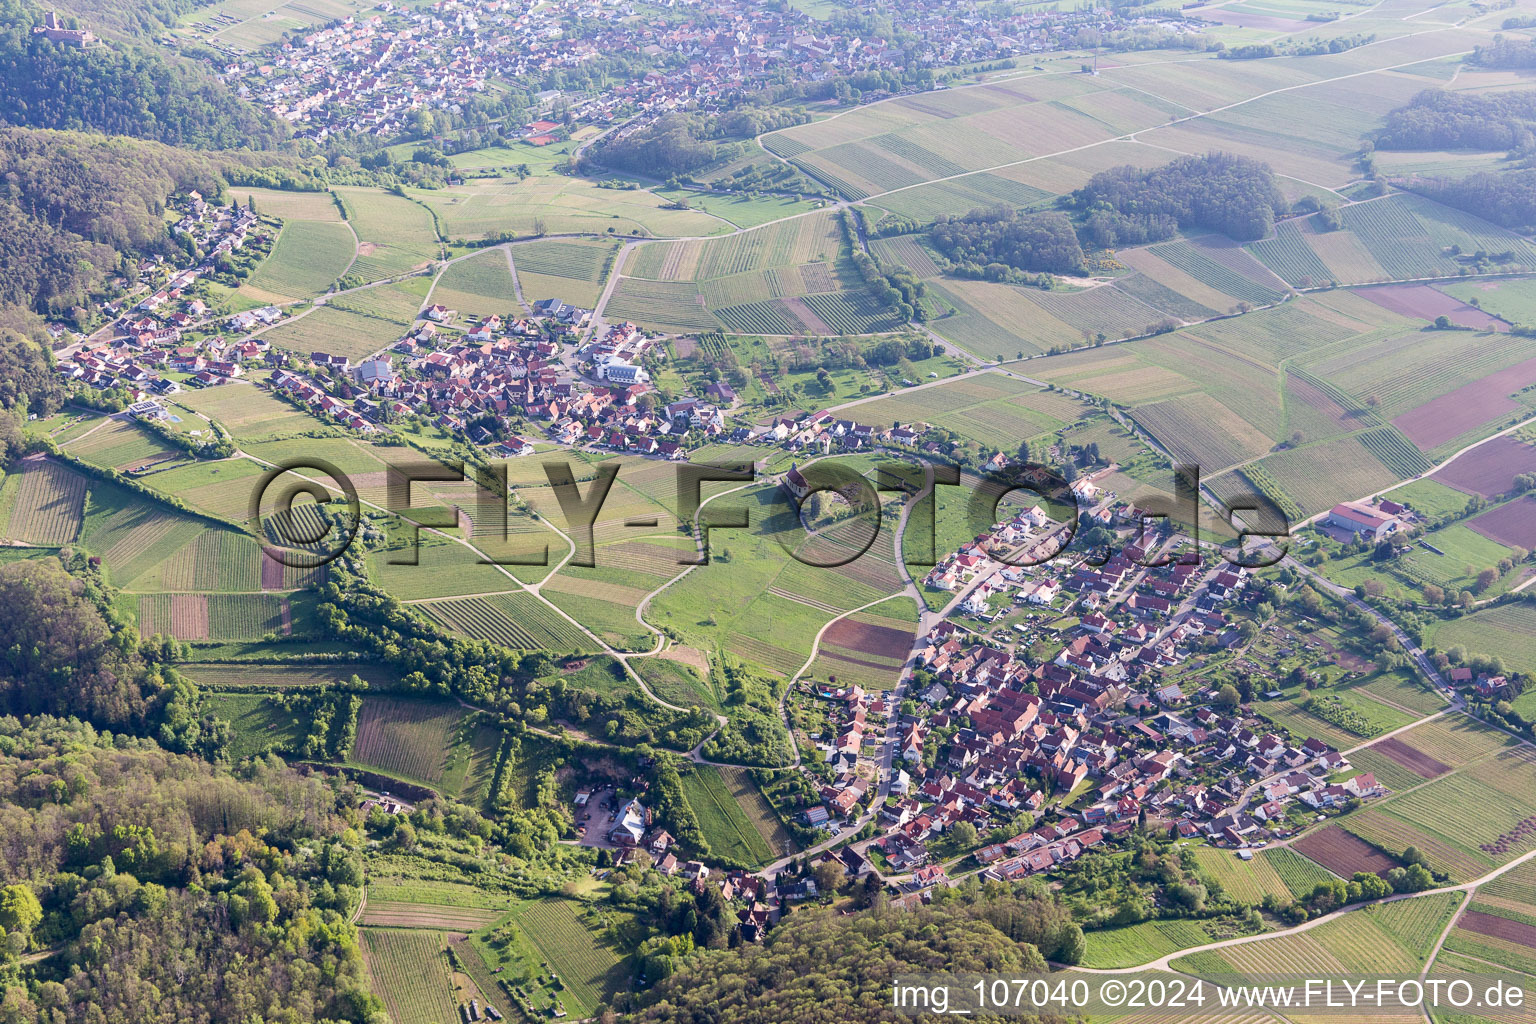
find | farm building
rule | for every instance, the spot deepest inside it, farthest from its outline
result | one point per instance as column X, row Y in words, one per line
column 1358, row 517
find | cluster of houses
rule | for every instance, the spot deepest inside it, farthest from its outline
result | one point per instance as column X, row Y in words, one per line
column 1095, row 732
column 315, row 394
column 634, row 834
column 1074, row 741
column 454, row 376
column 1481, row 685
column 133, row 361
column 154, row 328
column 371, row 73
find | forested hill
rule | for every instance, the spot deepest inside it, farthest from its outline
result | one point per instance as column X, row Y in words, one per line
column 1507, row 199
column 1438, row 119
column 1030, row 242
column 171, row 890
column 71, row 205
column 818, row 968
column 167, row 887
column 1506, row 52
column 120, row 89
column 1217, row 192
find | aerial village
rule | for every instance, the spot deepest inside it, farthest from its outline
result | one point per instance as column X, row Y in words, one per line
column 371, row 73
column 1091, row 741
column 1088, row 739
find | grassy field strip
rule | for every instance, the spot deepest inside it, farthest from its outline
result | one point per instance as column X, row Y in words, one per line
column 722, row 819
column 585, row 965
column 409, row 971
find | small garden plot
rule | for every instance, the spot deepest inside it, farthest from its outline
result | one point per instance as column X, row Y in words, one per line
column 478, row 286
column 409, row 971
column 517, row 620
column 1139, row 943
column 662, row 306
column 1506, row 631
column 1341, row 853
column 408, row 738
column 726, row 828
column 1289, row 255
column 121, row 444
column 306, row 261
column 235, row 676
column 583, row 261
column 48, row 504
